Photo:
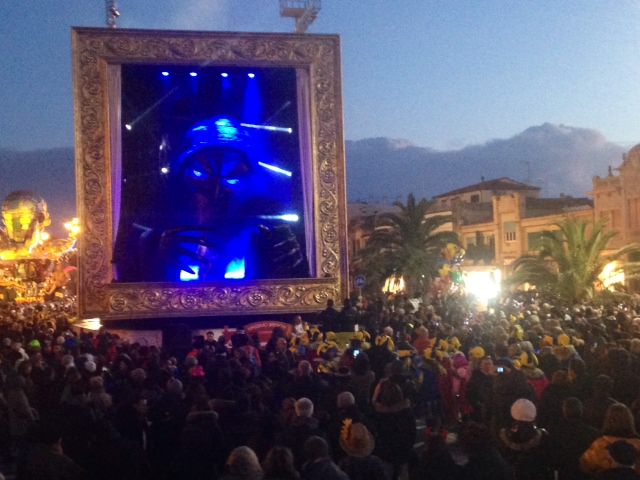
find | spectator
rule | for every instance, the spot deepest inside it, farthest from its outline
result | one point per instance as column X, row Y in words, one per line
column 395, row 425
column 625, row 457
column 319, row 465
column 523, row 443
column 358, row 444
column 278, row 465
column 595, row 408
column 303, row 426
column 569, row 439
column 242, row 464
column 46, row 459
column 618, row 426
column 485, row 461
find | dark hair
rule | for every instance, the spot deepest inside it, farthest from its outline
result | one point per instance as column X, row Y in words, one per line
column 619, row 422
column 475, row 437
column 578, row 366
column 623, row 453
column 279, row 464
column 572, row 408
column 602, row 386
column 361, row 364
column 390, row 394
column 316, row 447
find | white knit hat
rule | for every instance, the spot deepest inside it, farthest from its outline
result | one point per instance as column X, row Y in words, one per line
column 523, row 410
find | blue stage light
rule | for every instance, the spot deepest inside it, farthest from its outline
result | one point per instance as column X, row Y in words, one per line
column 232, row 181
column 235, row 269
column 285, row 217
column 251, row 75
column 226, row 129
column 224, row 74
column 197, row 173
column 270, row 128
column 165, row 74
column 193, row 74
column 273, row 168
column 188, row 276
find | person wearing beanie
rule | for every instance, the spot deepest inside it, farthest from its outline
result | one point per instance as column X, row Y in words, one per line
column 523, row 443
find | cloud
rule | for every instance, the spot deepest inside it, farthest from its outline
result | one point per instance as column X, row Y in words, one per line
column 200, row 15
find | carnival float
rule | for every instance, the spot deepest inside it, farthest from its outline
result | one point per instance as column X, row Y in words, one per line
column 34, row 266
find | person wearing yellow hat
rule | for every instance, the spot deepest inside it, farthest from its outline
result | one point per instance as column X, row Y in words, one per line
column 563, row 340
column 535, row 377
column 477, row 353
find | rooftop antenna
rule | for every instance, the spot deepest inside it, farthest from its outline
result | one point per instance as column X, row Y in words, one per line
column 303, row 11
column 112, row 13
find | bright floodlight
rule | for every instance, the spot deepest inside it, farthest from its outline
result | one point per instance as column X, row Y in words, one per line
column 224, row 74
column 484, row 285
column 193, row 74
column 128, row 126
column 165, row 74
column 164, row 170
column 251, row 75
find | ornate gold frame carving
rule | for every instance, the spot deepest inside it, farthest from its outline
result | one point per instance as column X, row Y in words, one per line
column 97, row 55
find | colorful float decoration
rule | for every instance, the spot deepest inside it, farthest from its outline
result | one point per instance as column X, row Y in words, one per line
column 33, row 266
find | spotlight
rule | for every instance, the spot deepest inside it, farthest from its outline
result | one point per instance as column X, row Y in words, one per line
column 276, row 169
column 165, row 74
column 193, row 74
column 128, row 126
column 164, row 170
column 224, row 74
column 251, row 75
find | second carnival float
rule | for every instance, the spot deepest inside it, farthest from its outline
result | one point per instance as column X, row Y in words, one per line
column 210, row 180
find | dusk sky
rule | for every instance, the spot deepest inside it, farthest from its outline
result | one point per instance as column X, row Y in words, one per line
column 442, row 74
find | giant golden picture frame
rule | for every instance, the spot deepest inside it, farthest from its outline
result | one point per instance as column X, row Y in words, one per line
column 98, row 58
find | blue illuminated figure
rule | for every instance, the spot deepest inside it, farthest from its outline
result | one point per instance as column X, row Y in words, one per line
column 230, row 215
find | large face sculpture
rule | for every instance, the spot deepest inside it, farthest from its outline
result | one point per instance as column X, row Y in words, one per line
column 24, row 214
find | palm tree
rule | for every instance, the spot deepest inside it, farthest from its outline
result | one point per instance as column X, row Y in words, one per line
column 570, row 260
column 406, row 243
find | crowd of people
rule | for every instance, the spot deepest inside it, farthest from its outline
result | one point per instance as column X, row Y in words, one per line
column 526, row 390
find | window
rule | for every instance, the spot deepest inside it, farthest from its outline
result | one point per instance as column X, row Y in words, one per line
column 510, row 231
column 475, row 198
column 471, row 240
column 534, row 241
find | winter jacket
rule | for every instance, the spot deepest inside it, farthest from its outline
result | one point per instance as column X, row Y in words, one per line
column 597, row 457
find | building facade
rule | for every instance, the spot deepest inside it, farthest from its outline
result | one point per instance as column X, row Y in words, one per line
column 501, row 219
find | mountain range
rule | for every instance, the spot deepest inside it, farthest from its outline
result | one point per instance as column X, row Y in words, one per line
column 558, row 158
